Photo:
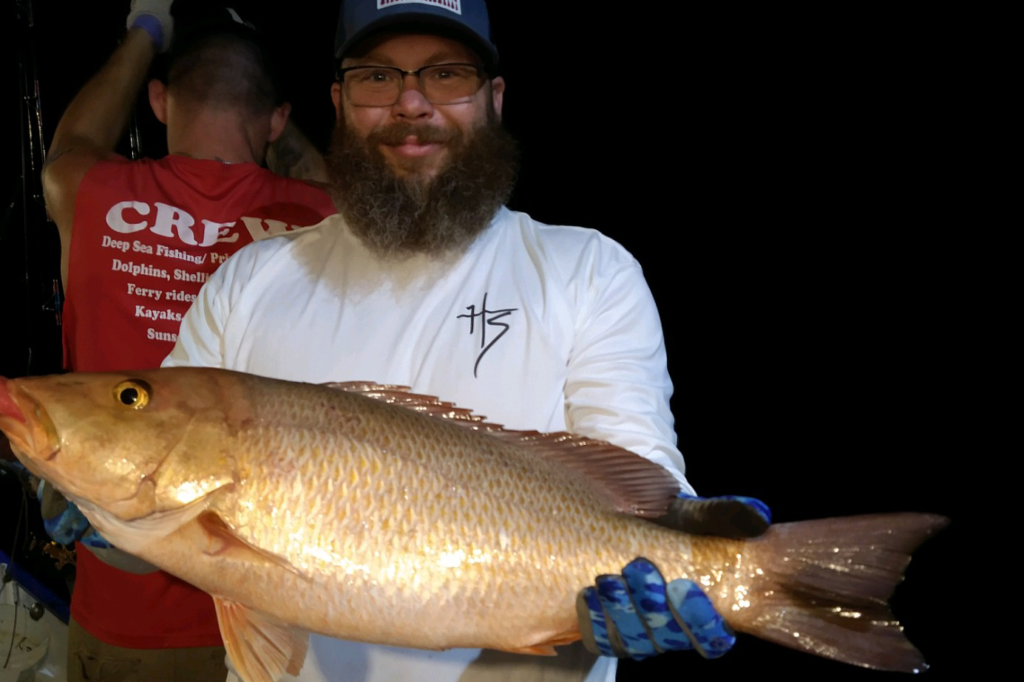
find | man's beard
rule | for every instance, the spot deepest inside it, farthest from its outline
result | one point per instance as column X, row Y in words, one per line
column 397, row 217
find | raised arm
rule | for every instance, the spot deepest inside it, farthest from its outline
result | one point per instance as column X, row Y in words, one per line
column 88, row 132
column 97, row 116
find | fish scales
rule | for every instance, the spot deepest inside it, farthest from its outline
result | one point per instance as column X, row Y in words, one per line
column 419, row 525
column 439, row 514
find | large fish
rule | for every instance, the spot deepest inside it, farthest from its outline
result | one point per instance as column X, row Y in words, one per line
column 368, row 513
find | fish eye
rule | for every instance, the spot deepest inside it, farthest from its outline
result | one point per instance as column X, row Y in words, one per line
column 133, row 394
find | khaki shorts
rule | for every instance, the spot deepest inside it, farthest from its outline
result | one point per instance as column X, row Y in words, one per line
column 91, row 660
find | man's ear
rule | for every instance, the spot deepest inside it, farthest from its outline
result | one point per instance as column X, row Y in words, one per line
column 158, row 99
column 278, row 120
column 336, row 98
column 497, row 94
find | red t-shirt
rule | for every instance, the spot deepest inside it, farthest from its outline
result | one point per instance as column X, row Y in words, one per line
column 146, row 235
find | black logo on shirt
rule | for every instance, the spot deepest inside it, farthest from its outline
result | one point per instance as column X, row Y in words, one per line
column 488, row 318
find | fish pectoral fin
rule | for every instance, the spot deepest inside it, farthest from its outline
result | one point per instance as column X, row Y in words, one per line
column 132, row 536
column 221, row 540
column 261, row 648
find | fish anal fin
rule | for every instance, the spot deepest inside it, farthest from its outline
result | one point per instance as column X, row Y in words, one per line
column 261, row 648
column 537, row 650
column 547, row 647
column 631, row 483
column 221, row 540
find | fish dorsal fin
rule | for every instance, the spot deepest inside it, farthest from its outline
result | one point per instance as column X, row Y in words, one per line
column 261, row 648
column 633, row 485
column 423, row 404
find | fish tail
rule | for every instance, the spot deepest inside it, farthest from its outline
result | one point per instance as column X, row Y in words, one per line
column 833, row 579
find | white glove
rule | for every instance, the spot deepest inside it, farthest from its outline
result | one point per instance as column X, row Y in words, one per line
column 154, row 17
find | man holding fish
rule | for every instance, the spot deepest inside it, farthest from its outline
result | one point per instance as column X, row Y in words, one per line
column 425, row 279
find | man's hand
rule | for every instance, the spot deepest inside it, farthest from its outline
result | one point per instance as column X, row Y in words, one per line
column 637, row 614
column 153, row 17
column 65, row 524
column 726, row 516
column 63, row 521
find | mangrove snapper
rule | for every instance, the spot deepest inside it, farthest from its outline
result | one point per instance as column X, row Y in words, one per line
column 368, row 513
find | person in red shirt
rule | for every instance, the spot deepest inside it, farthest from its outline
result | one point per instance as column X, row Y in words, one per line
column 138, row 239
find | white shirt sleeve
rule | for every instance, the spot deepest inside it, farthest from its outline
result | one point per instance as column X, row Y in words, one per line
column 618, row 387
column 201, row 336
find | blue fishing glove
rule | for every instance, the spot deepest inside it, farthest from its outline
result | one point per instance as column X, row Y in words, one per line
column 726, row 516
column 63, row 520
column 638, row 614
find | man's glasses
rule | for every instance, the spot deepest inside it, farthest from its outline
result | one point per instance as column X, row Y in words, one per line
column 381, row 86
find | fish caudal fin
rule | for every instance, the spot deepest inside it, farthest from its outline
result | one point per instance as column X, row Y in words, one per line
column 261, row 649
column 832, row 579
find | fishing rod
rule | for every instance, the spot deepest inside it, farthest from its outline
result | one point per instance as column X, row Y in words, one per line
column 29, row 240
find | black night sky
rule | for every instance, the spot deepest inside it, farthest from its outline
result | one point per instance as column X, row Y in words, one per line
column 768, row 170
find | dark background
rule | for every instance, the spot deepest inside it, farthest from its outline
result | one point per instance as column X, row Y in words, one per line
column 779, row 176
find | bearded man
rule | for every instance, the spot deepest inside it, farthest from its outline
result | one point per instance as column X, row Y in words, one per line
column 425, row 279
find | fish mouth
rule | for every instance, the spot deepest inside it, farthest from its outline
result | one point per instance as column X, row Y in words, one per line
column 28, row 427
